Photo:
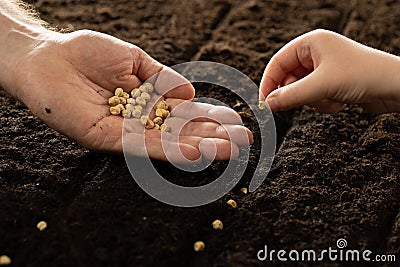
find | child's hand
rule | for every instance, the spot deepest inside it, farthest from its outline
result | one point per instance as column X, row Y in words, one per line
column 326, row 70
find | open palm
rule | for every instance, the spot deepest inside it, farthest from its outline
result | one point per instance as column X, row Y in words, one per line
column 67, row 80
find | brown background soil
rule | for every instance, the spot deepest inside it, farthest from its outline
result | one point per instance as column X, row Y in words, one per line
column 334, row 176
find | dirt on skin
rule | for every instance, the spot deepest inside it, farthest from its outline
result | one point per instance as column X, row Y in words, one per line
column 334, row 176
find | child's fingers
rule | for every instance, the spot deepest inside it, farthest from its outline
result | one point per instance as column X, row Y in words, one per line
column 295, row 56
column 307, row 90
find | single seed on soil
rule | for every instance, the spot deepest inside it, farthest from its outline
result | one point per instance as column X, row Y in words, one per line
column 125, row 95
column 136, row 113
column 119, row 92
column 158, row 120
column 140, row 101
column 145, row 96
column 135, row 93
column 143, row 120
column 232, row 203
column 115, row 110
column 164, row 127
column 5, row 260
column 199, row 246
column 162, row 113
column 162, row 105
column 113, row 101
column 243, row 190
column 122, row 100
column 262, row 104
column 217, row 225
column 149, row 124
column 130, row 101
column 41, row 225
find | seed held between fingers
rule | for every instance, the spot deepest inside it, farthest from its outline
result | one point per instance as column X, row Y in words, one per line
column 199, row 246
column 262, row 104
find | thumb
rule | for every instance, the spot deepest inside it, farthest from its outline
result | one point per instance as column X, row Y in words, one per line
column 309, row 89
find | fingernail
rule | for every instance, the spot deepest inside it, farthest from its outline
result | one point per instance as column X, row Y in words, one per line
column 271, row 101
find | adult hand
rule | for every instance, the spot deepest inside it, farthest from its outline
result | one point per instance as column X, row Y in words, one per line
column 326, row 70
column 67, row 79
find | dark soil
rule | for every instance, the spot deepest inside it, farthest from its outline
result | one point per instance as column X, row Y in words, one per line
column 334, row 176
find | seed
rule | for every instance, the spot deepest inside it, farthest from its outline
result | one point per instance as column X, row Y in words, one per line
column 156, row 127
column 262, row 104
column 149, row 124
column 41, row 225
column 119, row 92
column 244, row 190
column 125, row 95
column 126, row 114
column 140, row 101
column 199, row 246
column 129, row 107
column 217, row 225
column 131, row 101
column 232, row 203
column 162, row 105
column 115, row 110
column 146, row 87
column 136, row 113
column 122, row 100
column 135, row 92
column 164, row 127
column 158, row 120
column 143, row 119
column 149, row 86
column 113, row 101
column 162, row 113
column 138, row 107
column 120, row 106
column 5, row 260
column 145, row 96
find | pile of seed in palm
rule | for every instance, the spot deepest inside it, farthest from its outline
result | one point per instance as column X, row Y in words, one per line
column 131, row 106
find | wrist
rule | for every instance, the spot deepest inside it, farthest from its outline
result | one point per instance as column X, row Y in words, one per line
column 17, row 41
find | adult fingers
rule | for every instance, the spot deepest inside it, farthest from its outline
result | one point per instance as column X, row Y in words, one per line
column 206, row 112
column 237, row 134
